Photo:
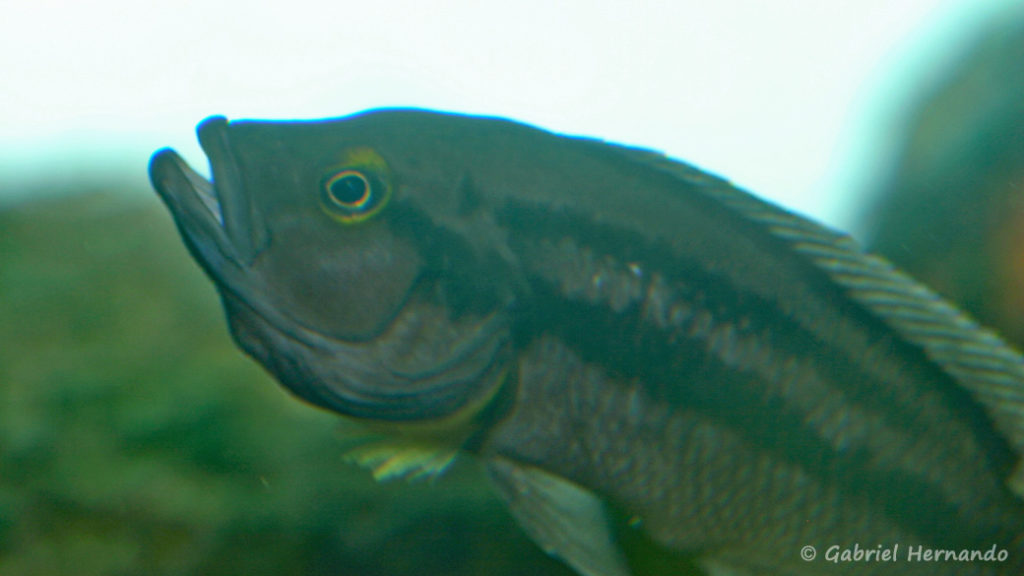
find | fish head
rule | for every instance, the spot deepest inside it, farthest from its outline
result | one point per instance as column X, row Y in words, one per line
column 333, row 275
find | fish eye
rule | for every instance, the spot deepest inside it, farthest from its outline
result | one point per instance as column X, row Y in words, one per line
column 357, row 189
column 348, row 190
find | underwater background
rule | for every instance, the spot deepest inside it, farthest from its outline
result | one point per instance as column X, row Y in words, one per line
column 136, row 439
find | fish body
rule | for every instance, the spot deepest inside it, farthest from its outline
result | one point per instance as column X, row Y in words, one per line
column 626, row 342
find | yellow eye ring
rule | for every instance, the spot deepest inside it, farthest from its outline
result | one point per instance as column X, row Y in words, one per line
column 348, row 190
column 357, row 188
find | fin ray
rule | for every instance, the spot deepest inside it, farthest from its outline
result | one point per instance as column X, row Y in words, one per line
column 564, row 519
column 989, row 368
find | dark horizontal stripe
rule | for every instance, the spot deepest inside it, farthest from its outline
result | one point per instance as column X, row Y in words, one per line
column 701, row 383
column 679, row 369
column 691, row 280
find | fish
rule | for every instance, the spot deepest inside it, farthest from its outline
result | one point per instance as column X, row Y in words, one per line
column 633, row 348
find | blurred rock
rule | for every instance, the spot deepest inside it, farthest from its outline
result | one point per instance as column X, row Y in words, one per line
column 952, row 211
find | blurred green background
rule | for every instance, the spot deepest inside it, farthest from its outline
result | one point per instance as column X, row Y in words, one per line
column 135, row 439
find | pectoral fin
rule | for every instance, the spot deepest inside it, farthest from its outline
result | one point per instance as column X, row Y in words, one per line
column 565, row 520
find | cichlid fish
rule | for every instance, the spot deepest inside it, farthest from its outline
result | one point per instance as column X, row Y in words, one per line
column 630, row 345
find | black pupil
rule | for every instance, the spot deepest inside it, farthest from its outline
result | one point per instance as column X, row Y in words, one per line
column 348, row 189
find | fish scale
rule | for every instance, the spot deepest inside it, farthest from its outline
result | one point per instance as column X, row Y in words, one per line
column 623, row 341
column 702, row 489
column 838, row 421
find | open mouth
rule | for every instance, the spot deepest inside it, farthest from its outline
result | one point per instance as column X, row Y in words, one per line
column 215, row 217
column 196, row 208
column 203, row 188
column 219, row 223
column 166, row 171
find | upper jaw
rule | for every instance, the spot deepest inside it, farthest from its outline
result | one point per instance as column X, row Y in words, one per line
column 239, row 216
column 218, row 217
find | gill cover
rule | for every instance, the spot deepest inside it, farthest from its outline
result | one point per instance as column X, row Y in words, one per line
column 336, row 268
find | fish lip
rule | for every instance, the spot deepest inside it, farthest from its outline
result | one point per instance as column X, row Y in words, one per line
column 196, row 209
column 215, row 217
column 235, row 207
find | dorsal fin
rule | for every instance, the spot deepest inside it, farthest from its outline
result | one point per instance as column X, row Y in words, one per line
column 990, row 369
